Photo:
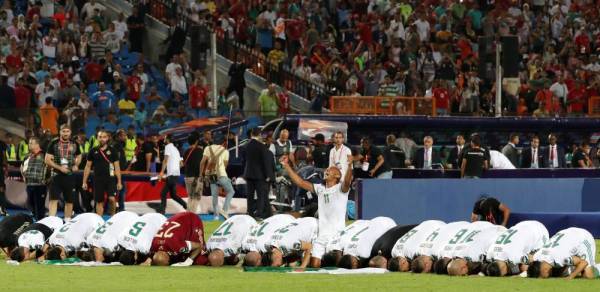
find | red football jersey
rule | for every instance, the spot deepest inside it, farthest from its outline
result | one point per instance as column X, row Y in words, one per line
column 176, row 232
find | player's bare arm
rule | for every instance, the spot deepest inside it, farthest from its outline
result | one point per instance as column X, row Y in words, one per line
column 86, row 174
column 347, row 181
column 296, row 179
column 580, row 266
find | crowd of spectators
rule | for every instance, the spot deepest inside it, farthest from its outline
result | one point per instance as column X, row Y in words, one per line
column 426, row 48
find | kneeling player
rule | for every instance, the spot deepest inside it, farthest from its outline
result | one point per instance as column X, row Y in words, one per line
column 292, row 242
column 510, row 253
column 11, row 228
column 430, row 249
column 70, row 237
column 381, row 252
column 102, row 243
column 254, row 245
column 33, row 240
column 471, row 249
column 569, row 248
column 407, row 247
column 335, row 248
column 180, row 242
column 225, row 243
column 358, row 252
column 135, row 240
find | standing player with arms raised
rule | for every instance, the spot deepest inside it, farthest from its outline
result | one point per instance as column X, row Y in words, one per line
column 226, row 242
column 180, row 242
column 332, row 201
column 136, row 240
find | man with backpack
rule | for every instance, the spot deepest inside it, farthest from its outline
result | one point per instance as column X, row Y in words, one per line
column 214, row 170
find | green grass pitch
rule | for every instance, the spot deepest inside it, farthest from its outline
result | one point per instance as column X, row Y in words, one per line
column 34, row 277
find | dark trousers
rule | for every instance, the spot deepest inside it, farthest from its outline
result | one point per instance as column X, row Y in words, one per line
column 36, row 198
column 121, row 195
column 170, row 187
column 239, row 90
column 258, row 207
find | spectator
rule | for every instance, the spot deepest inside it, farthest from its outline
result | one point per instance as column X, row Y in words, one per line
column 49, row 116
column 454, row 158
column 426, row 157
column 510, row 150
column 576, row 100
column 171, row 164
column 127, row 106
column 554, row 155
column 442, row 98
column 268, row 103
column 194, row 182
column 283, row 102
column 140, row 115
column 407, row 145
column 474, row 160
column 282, row 147
column 393, row 155
column 319, row 152
column 581, row 157
column 237, row 81
column 105, row 100
column 135, row 25
column 560, row 89
column 199, row 98
column 533, row 156
column 179, row 83
column 45, row 90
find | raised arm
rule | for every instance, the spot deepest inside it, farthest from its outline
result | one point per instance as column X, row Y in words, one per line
column 347, row 181
column 296, row 179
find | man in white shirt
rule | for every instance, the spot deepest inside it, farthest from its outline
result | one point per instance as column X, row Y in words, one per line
column 72, row 235
column 338, row 156
column 559, row 89
column 358, row 251
column 226, row 242
column 469, row 253
column 510, row 253
column 294, row 239
column 335, row 248
column 569, row 248
column 87, row 11
column 172, row 164
column 332, row 201
column 213, row 168
column 254, row 245
column 121, row 25
column 103, row 243
column 137, row 238
column 32, row 241
column 407, row 247
column 423, row 28
column 178, row 82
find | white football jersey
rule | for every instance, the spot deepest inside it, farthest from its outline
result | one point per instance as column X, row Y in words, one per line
column 52, row 222
column 343, row 238
column 408, row 245
column 362, row 241
column 74, row 233
column 34, row 239
column 290, row 237
column 461, row 237
column 565, row 244
column 228, row 237
column 139, row 234
column 106, row 236
column 332, row 209
column 515, row 244
column 474, row 245
column 261, row 233
column 435, row 241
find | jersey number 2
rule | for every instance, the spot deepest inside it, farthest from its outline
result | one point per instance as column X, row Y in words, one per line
column 168, row 228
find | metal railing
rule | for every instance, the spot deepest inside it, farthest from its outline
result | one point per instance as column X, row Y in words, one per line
column 383, row 105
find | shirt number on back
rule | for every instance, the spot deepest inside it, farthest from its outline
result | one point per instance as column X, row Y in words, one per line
column 168, row 228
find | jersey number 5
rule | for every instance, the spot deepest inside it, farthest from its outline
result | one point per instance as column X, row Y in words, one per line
column 168, row 229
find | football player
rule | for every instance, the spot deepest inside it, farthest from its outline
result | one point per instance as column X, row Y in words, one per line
column 358, row 251
column 292, row 242
column 225, row 243
column 440, row 266
column 11, row 227
column 70, row 237
column 407, row 247
column 569, row 248
column 382, row 249
column 254, row 245
column 471, row 248
column 511, row 252
column 180, row 242
column 332, row 200
column 102, row 243
column 33, row 240
column 335, row 248
column 430, row 249
column 135, row 241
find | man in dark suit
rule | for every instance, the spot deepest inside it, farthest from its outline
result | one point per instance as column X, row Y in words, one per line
column 237, row 81
column 554, row 155
column 510, row 150
column 453, row 157
column 427, row 156
column 257, row 173
column 533, row 156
